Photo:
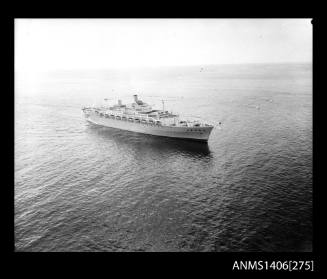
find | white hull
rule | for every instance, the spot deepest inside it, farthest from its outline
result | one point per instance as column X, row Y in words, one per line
column 191, row 133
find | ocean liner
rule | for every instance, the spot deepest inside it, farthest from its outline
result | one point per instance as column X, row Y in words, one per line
column 139, row 117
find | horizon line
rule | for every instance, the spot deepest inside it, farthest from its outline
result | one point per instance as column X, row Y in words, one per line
column 165, row 66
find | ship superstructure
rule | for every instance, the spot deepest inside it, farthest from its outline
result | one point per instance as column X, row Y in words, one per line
column 140, row 117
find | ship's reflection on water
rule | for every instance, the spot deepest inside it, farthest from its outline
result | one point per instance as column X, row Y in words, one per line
column 148, row 143
column 154, row 187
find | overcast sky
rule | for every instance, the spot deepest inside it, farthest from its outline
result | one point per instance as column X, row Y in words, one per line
column 49, row 44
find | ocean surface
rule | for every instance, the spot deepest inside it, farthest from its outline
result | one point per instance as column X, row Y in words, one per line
column 79, row 187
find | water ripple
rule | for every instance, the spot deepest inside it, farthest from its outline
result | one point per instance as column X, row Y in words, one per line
column 84, row 188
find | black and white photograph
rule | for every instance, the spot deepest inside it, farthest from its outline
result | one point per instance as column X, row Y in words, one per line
column 163, row 135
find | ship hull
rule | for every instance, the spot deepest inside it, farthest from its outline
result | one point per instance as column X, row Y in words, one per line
column 186, row 133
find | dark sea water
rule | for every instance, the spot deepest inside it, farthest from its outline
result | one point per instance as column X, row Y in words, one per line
column 84, row 188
